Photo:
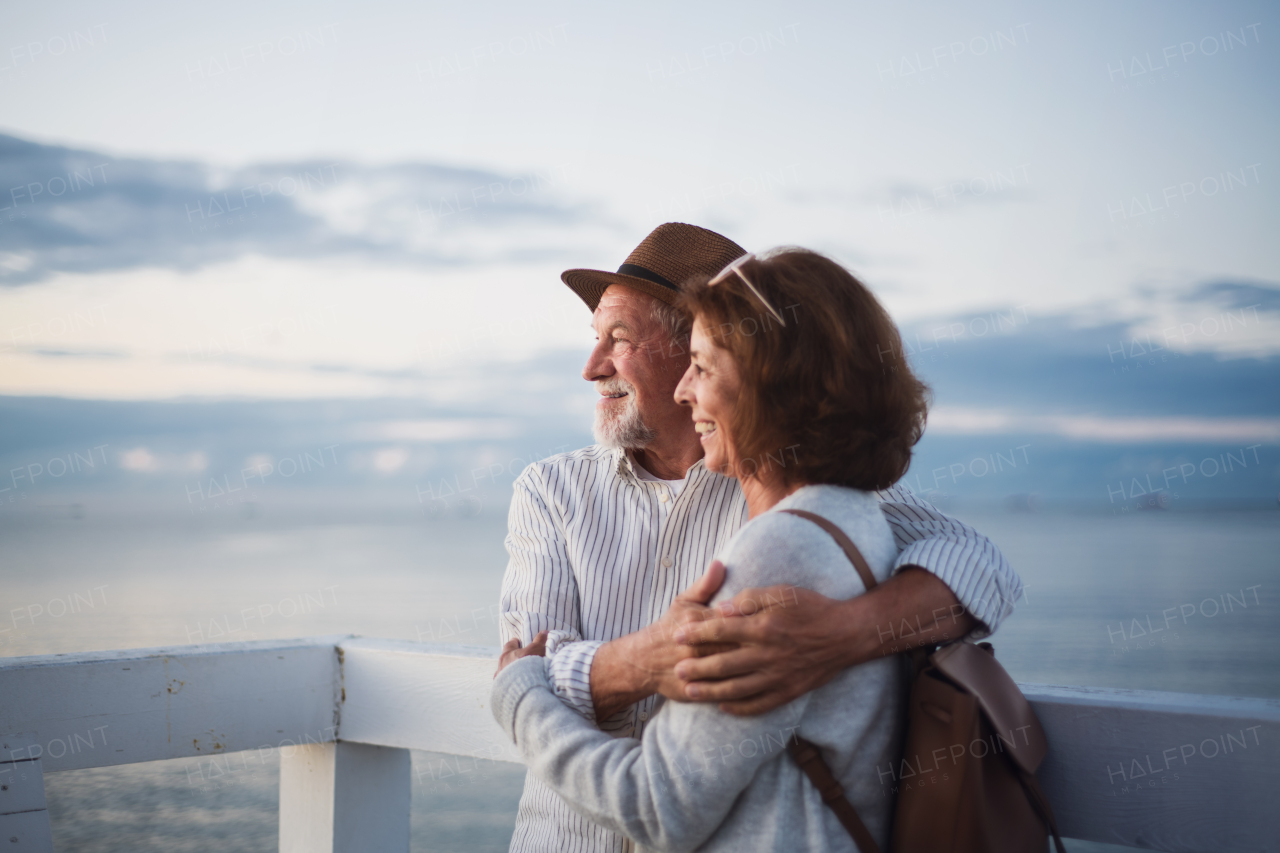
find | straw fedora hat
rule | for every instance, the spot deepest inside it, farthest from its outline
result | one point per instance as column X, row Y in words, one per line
column 671, row 255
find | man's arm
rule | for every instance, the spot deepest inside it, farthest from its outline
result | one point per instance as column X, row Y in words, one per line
column 540, row 594
column 800, row 639
column 962, row 558
column 951, row 581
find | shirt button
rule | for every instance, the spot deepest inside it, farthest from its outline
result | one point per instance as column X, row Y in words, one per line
column 666, row 561
column 644, row 715
column 662, row 497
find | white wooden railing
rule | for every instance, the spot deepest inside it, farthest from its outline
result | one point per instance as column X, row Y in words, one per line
column 1164, row 771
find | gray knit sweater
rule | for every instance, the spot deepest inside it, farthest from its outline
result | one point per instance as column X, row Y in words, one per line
column 702, row 779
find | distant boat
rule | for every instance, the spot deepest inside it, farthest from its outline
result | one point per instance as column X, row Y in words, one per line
column 75, row 511
column 1156, row 500
column 1023, row 502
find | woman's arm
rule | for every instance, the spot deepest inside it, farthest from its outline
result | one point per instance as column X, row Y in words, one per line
column 669, row 791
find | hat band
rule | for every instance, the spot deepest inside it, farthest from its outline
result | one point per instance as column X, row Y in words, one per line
column 638, row 271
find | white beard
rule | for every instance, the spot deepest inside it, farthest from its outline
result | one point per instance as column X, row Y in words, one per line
column 625, row 430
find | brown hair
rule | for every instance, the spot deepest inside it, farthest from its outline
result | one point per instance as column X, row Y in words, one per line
column 832, row 387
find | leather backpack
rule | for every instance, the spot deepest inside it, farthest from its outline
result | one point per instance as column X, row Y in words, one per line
column 966, row 780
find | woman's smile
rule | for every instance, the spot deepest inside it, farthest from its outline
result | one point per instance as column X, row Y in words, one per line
column 710, row 389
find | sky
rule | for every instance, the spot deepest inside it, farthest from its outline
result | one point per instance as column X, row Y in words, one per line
column 1070, row 212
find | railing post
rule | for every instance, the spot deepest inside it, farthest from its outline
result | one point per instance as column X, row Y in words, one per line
column 344, row 798
column 24, row 815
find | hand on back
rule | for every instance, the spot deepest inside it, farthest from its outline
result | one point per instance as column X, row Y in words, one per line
column 782, row 645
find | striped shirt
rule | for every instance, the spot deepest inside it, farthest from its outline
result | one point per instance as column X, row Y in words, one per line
column 597, row 553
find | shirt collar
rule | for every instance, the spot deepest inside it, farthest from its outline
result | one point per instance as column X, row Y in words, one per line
column 624, row 466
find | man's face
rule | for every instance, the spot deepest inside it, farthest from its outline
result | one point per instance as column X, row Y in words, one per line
column 634, row 369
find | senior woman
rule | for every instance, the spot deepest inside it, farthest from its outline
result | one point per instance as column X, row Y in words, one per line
column 798, row 387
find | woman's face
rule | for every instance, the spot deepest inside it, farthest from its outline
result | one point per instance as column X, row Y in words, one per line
column 710, row 389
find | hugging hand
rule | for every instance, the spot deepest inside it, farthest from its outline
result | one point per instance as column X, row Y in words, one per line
column 664, row 648
column 512, row 651
column 642, row 663
column 783, row 644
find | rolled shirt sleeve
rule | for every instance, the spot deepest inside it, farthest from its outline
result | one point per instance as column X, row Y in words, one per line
column 961, row 557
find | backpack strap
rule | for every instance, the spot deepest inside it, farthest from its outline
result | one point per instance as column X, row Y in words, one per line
column 1040, row 803
column 846, row 544
column 807, row 755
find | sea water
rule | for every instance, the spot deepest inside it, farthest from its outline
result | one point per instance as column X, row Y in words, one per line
column 1173, row 601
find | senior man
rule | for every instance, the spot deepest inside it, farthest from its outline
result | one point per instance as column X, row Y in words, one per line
column 604, row 540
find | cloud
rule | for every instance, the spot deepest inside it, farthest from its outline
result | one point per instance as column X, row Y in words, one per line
column 1042, row 391
column 437, row 429
column 1168, row 358
column 139, row 459
column 390, row 459
column 955, row 420
column 1239, row 295
column 996, row 187
column 69, row 210
column 143, row 460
